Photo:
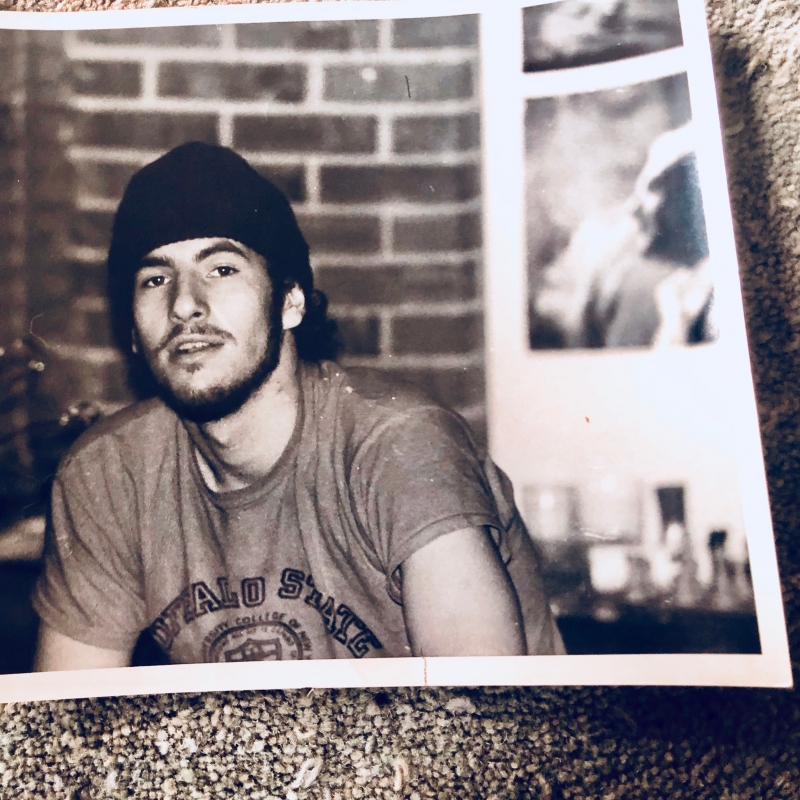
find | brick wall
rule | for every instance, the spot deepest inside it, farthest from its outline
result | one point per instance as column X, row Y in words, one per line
column 372, row 130
column 35, row 194
column 13, row 197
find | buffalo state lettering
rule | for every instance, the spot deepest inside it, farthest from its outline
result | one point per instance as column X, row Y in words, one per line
column 198, row 599
column 341, row 622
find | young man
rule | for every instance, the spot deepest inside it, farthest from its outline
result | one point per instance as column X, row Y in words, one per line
column 268, row 504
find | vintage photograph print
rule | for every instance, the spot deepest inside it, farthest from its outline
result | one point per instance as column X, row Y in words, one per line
column 617, row 246
column 370, row 129
column 315, row 354
column 579, row 33
column 614, row 333
column 642, row 532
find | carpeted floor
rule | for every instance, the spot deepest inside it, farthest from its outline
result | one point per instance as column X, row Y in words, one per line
column 510, row 743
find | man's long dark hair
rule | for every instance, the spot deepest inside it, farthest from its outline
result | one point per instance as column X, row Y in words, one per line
column 199, row 191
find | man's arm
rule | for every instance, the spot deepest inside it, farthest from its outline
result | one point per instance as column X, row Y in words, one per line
column 91, row 584
column 58, row 652
column 458, row 599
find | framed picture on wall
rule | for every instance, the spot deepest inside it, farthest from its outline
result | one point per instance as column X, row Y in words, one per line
column 363, row 344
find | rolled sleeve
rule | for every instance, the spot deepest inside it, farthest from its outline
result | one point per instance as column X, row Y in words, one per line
column 420, row 477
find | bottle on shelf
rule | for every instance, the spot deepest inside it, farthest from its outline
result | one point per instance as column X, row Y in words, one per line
column 683, row 590
column 721, row 595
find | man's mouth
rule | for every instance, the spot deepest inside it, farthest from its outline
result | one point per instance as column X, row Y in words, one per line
column 185, row 346
column 191, row 347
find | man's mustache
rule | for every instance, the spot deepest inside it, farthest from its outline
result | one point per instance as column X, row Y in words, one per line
column 192, row 330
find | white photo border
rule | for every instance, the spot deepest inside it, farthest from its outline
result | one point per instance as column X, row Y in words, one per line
column 503, row 98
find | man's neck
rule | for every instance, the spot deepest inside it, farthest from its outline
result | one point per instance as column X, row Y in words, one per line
column 242, row 448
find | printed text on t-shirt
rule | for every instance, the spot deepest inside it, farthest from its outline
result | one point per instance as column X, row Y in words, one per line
column 340, row 621
column 198, row 599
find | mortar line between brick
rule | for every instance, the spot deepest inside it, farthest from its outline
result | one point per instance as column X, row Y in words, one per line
column 384, row 132
column 313, row 188
column 225, row 129
column 313, row 204
column 446, row 159
column 94, row 104
column 85, row 254
column 149, row 80
column 403, row 210
column 277, row 56
column 111, row 154
column 384, row 36
column 400, row 308
column 414, row 259
column 385, row 332
column 315, row 80
column 227, row 41
column 387, row 231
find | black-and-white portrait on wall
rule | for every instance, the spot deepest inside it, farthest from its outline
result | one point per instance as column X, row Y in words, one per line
column 577, row 33
column 617, row 244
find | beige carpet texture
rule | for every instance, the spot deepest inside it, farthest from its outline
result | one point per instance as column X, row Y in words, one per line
column 554, row 743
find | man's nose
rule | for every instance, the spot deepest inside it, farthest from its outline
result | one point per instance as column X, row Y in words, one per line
column 189, row 299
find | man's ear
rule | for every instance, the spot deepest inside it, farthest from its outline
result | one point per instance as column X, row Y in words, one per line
column 294, row 307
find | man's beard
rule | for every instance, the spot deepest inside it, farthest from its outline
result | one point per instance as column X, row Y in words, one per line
column 218, row 402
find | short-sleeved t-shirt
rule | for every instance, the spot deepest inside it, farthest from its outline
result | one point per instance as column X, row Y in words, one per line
column 305, row 563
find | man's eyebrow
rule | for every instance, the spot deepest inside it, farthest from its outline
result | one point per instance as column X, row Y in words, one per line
column 154, row 261
column 225, row 246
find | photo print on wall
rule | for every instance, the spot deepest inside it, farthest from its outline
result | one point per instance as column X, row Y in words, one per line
column 577, row 33
column 617, row 247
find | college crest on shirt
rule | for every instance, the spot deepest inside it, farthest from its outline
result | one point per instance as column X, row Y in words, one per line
column 257, row 634
column 261, row 640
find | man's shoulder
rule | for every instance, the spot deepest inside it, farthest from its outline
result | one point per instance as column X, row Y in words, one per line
column 137, row 428
column 371, row 405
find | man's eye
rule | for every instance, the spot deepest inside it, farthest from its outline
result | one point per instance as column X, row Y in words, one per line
column 224, row 271
column 153, row 281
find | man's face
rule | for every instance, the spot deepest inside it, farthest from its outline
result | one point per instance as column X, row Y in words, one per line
column 207, row 324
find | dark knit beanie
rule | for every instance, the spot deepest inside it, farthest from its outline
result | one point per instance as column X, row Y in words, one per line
column 199, row 191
